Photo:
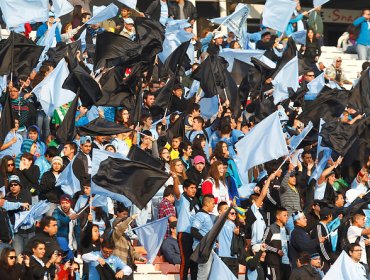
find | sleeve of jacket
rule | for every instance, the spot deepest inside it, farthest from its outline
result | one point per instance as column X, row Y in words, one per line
column 267, row 239
column 322, row 246
column 119, row 230
column 304, row 243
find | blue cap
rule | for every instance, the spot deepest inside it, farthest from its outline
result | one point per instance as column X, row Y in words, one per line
column 85, row 139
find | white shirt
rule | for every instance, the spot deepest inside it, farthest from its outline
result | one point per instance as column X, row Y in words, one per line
column 353, row 233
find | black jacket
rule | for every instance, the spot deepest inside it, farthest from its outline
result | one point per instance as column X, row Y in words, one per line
column 47, row 188
column 30, row 178
column 189, row 11
column 51, row 244
column 5, row 230
column 38, row 271
column 306, row 272
column 272, row 238
column 325, row 249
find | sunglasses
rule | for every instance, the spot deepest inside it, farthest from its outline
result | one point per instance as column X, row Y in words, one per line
column 13, row 185
column 12, row 257
column 10, row 164
column 339, row 61
column 232, row 213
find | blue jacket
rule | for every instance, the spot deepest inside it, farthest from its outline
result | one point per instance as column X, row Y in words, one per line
column 43, row 28
column 290, row 29
column 364, row 35
column 63, row 225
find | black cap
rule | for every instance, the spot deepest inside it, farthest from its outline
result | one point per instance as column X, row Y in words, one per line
column 325, row 212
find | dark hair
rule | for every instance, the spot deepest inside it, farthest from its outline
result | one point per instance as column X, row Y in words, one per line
column 183, row 147
column 107, row 243
column 218, row 150
column 314, row 37
column 99, row 213
column 220, row 204
column 121, row 208
column 187, row 183
column 192, row 107
column 73, row 146
column 199, row 119
column 168, row 191
column 4, row 169
column 52, row 152
column 306, row 71
column 4, row 258
column 36, row 243
column 207, row 197
column 280, row 209
column 172, row 225
column 304, row 258
column 144, row 117
column 146, row 94
column 232, row 44
column 352, row 246
column 365, row 65
column 265, row 34
column 28, row 156
column 77, row 11
column 84, row 15
column 45, row 221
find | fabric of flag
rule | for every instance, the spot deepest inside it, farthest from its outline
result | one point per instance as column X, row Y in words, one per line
column 240, row 70
column 17, row 12
column 195, row 87
column 6, row 120
column 25, row 55
column 27, row 219
column 67, row 130
column 209, row 106
column 108, row 12
column 172, row 40
column 345, row 268
column 177, row 129
column 219, row 269
column 281, row 82
column 299, row 37
column 101, row 126
column 68, row 181
column 164, row 94
column 135, row 114
column 315, row 87
column 297, row 139
column 48, row 41
column 203, row 250
column 178, row 59
column 137, row 154
column 151, row 236
column 50, row 92
column 113, row 49
column 290, row 51
column 367, row 214
column 98, row 157
column 236, row 20
column 135, row 180
column 61, row 8
column 263, row 143
column 231, row 55
column 359, row 96
column 333, row 230
column 317, row 3
column 277, row 14
column 129, row 3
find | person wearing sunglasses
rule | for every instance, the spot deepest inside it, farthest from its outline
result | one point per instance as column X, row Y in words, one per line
column 11, row 266
column 7, row 168
column 335, row 72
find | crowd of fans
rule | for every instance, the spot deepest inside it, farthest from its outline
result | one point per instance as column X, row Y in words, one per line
column 282, row 231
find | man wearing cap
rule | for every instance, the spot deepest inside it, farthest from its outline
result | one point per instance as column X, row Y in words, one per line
column 22, row 195
column 303, row 268
column 68, row 224
column 300, row 240
column 321, row 230
column 216, row 45
column 316, row 263
column 128, row 30
column 41, row 31
column 84, row 154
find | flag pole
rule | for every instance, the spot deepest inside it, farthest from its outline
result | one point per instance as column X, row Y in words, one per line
column 90, row 202
column 12, row 58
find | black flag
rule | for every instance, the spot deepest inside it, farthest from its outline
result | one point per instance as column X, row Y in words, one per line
column 177, row 129
column 178, row 59
column 360, row 95
column 101, row 126
column 67, row 130
column 25, row 55
column 240, row 70
column 289, row 53
column 135, row 180
column 137, row 154
column 7, row 120
column 113, row 49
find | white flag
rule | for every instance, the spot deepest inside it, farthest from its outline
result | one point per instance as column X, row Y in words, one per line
column 277, row 13
column 317, row 3
column 61, row 7
column 103, row 14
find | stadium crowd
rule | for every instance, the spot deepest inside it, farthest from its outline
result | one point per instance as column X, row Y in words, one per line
column 291, row 216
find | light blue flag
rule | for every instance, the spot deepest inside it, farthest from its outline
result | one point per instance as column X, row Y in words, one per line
column 237, row 19
column 297, row 139
column 17, row 12
column 129, row 3
column 26, row 219
column 219, row 269
column 315, row 87
column 50, row 92
column 61, row 8
column 193, row 89
column 98, row 157
column 3, row 82
column 151, row 236
column 317, row 3
column 48, row 40
column 263, row 143
column 2, row 191
column 367, row 214
column 243, row 55
column 175, row 24
column 345, row 268
column 277, row 14
column 218, row 20
column 246, row 190
column 108, row 12
column 281, row 82
column 209, row 107
column 68, row 181
column 323, row 155
column 333, row 230
column 299, row 37
column 172, row 40
column 333, row 85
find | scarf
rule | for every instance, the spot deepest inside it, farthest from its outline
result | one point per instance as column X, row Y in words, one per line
column 193, row 202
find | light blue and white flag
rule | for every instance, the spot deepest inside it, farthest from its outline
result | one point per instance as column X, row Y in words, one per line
column 151, row 236
column 175, row 24
column 299, row 37
column 345, row 268
column 209, row 107
column 277, row 14
column 68, row 181
column 219, row 269
column 333, row 85
column 3, row 82
column 315, row 87
column 237, row 19
column 317, row 3
column 98, row 157
column 367, row 214
column 333, row 233
column 172, row 41
column 26, row 219
column 263, row 143
column 246, row 190
column 297, row 139
column 282, row 82
column 48, row 40
column 129, row 3
column 50, row 92
column 243, row 55
column 193, row 89
column 61, row 8
column 103, row 14
column 17, row 12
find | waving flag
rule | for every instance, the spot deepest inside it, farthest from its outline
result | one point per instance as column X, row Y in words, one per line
column 50, row 92
column 103, row 14
column 129, row 3
column 277, row 14
column 62, row 7
column 220, row 270
column 237, row 19
column 26, row 219
column 299, row 37
column 315, row 87
column 317, row 3
column 173, row 40
column 297, row 139
column 345, row 268
column 68, row 180
column 243, row 55
column 17, row 12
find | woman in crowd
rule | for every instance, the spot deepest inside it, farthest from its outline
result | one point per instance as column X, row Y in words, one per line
column 7, row 169
column 29, row 174
column 13, row 267
column 312, row 50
